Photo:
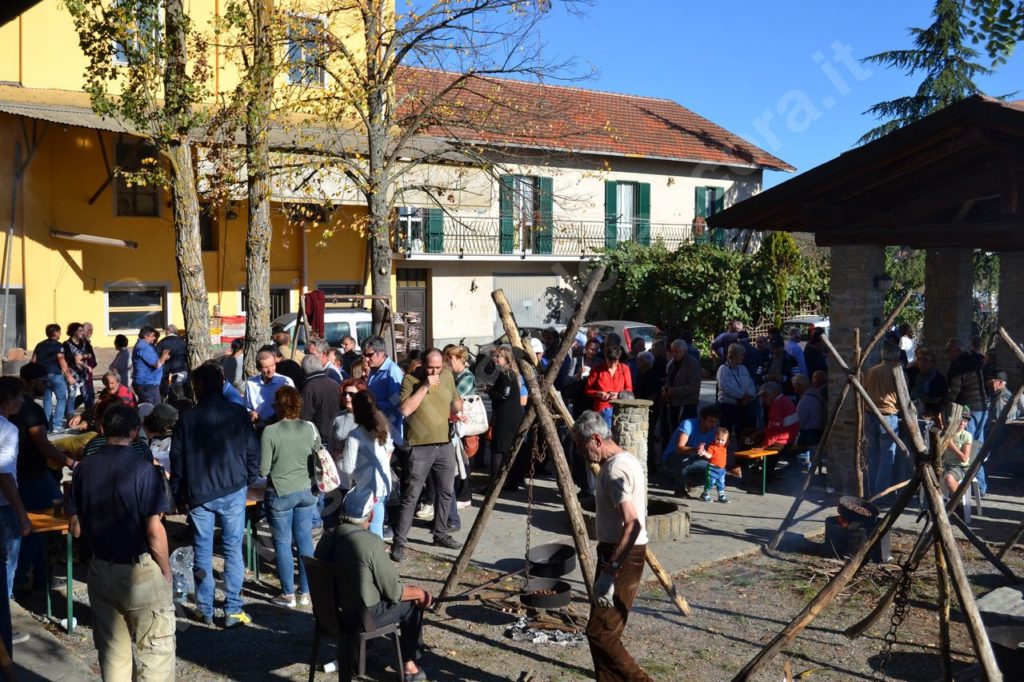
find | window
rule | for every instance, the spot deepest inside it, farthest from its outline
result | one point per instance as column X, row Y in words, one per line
column 280, row 301
column 709, row 201
column 131, row 196
column 142, row 31
column 410, row 227
column 526, row 208
column 207, row 228
column 304, row 53
column 131, row 308
column 627, row 213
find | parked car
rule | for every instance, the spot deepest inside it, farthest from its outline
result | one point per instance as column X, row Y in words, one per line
column 357, row 323
column 627, row 331
column 806, row 324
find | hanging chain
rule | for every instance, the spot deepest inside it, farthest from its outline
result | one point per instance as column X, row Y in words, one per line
column 900, row 609
column 534, row 456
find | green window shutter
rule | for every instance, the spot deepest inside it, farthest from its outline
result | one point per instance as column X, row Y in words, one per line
column 506, row 230
column 718, row 234
column 611, row 214
column 545, row 230
column 435, row 230
column 701, row 201
column 719, row 199
column 643, row 213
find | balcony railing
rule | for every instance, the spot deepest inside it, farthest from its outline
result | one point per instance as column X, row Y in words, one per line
column 460, row 236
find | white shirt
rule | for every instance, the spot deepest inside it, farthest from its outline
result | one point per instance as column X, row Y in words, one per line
column 259, row 395
column 367, row 463
column 8, row 452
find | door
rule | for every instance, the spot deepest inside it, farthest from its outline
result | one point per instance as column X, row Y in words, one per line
column 528, row 297
column 13, row 306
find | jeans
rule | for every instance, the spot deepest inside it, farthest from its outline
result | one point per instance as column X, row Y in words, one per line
column 604, row 629
column 607, row 414
column 715, row 479
column 132, row 601
column 148, row 393
column 57, row 386
column 37, row 493
column 437, row 461
column 11, row 544
column 291, row 516
column 881, row 453
column 230, row 509
column 377, row 524
column 977, row 428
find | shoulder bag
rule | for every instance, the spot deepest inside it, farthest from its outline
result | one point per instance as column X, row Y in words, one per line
column 473, row 409
column 325, row 471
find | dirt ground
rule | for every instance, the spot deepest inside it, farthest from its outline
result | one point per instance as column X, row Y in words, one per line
column 737, row 606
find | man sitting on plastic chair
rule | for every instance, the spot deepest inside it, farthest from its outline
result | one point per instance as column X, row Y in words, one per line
column 361, row 557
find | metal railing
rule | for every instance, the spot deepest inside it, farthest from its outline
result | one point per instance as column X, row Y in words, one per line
column 472, row 236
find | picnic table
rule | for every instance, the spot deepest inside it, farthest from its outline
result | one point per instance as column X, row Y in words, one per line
column 253, row 497
column 762, row 455
column 57, row 521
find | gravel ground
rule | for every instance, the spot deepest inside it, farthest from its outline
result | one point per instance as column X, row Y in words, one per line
column 737, row 606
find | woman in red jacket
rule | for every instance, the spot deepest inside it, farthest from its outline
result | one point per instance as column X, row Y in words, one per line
column 606, row 381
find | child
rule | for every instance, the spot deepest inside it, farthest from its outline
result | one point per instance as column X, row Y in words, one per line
column 716, row 454
column 958, row 454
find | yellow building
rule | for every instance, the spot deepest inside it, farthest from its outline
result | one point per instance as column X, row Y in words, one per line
column 80, row 244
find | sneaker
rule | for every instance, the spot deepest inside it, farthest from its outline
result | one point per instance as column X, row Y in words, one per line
column 303, row 599
column 388, row 534
column 418, row 676
column 723, row 499
column 201, row 617
column 463, row 505
column 285, row 600
column 448, row 542
column 706, row 497
column 425, row 512
column 20, row 637
column 235, row 619
column 398, row 553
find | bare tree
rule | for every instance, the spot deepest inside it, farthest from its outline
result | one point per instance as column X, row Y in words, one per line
column 154, row 88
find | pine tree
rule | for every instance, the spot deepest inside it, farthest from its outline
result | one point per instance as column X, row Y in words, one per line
column 948, row 63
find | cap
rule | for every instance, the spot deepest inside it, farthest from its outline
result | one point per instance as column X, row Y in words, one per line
column 770, row 386
column 358, row 503
column 537, row 345
column 965, row 412
column 145, row 409
column 1001, row 376
column 31, row 371
column 162, row 417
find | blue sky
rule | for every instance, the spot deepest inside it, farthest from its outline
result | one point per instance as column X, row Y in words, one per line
column 748, row 66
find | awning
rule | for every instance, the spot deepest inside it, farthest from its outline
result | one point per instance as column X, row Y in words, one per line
column 94, row 239
column 64, row 114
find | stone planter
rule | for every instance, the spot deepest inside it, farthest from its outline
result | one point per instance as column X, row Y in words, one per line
column 666, row 520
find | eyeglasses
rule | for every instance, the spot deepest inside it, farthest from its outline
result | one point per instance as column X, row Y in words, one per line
column 348, row 394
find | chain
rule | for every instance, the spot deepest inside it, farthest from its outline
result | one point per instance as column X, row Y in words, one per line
column 534, row 456
column 900, row 609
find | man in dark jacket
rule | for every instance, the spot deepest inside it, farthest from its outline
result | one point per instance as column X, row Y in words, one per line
column 176, row 367
column 214, row 458
column 321, row 396
column 967, row 387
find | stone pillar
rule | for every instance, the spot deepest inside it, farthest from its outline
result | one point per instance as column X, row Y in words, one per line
column 854, row 301
column 1011, row 312
column 630, row 421
column 948, row 300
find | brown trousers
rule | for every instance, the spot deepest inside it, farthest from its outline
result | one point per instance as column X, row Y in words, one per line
column 612, row 663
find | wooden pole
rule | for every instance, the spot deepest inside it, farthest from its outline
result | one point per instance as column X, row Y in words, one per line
column 961, row 585
column 554, row 445
column 818, row 454
column 1012, row 540
column 831, row 590
column 858, row 444
column 494, row 490
column 982, row 547
column 943, row 584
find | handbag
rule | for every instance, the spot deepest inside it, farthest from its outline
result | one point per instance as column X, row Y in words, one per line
column 325, row 471
column 471, row 445
column 476, row 416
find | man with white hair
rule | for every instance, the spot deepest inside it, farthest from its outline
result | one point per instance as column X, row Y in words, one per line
column 621, row 504
column 360, row 558
column 321, row 397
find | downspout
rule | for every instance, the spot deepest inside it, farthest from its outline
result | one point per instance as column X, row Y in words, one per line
column 9, row 246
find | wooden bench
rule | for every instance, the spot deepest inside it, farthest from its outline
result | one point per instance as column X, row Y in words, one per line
column 762, row 455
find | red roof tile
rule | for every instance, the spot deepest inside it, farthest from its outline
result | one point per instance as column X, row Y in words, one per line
column 503, row 112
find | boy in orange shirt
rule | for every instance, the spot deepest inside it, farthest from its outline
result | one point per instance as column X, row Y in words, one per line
column 716, row 453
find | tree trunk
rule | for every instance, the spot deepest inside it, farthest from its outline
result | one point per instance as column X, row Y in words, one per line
column 380, row 260
column 257, row 156
column 187, row 242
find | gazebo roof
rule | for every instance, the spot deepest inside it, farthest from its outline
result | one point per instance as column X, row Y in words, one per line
column 952, row 179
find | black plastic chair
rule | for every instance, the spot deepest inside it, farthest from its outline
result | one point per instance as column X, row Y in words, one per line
column 341, row 613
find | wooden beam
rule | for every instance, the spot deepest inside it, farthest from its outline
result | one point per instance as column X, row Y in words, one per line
column 1003, row 235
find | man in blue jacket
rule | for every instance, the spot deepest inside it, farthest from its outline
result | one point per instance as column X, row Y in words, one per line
column 148, row 366
column 214, row 458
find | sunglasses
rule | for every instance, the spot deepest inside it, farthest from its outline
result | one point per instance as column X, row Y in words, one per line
column 349, row 394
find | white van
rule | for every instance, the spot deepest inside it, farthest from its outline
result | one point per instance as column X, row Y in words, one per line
column 357, row 323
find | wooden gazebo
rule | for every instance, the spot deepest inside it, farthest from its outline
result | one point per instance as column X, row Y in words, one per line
column 950, row 183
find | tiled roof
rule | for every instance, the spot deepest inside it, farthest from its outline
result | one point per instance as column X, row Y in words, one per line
column 510, row 113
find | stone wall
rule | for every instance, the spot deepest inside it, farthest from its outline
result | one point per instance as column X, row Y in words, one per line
column 854, row 302
column 630, row 421
column 949, row 300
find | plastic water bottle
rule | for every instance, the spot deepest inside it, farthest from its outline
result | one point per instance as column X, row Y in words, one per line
column 182, row 561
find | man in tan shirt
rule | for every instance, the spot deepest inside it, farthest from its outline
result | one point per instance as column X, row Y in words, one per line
column 621, row 504
column 427, row 399
column 880, row 384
